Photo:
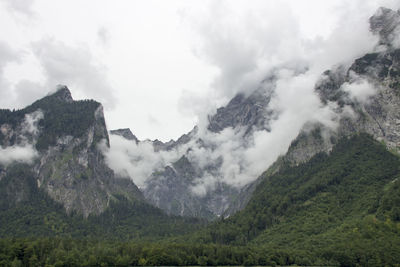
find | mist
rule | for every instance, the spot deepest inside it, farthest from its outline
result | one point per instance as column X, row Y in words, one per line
column 246, row 46
column 24, row 150
column 137, row 161
column 233, row 48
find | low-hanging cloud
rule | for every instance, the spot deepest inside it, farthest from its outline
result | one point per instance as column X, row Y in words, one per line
column 359, row 89
column 24, row 150
column 244, row 160
column 31, row 122
column 137, row 161
column 297, row 64
column 18, row 153
column 246, row 46
column 249, row 42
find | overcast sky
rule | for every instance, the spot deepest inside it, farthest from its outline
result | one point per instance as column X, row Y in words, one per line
column 158, row 66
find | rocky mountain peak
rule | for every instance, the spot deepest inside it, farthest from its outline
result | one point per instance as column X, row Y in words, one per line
column 385, row 22
column 125, row 133
column 63, row 93
column 243, row 111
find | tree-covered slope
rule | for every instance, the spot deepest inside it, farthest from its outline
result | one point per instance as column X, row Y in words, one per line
column 65, row 138
column 338, row 208
column 27, row 211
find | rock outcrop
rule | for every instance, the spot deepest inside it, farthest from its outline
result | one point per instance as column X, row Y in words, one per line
column 375, row 113
column 69, row 165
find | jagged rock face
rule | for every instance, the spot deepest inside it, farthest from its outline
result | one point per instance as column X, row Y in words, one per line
column 171, row 187
column 172, row 144
column 170, row 190
column 386, row 23
column 378, row 116
column 63, row 94
column 125, row 133
column 70, row 167
column 249, row 112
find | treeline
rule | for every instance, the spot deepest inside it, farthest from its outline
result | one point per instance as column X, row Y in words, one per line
column 73, row 252
column 28, row 211
column 87, row 252
column 358, row 178
column 341, row 208
column 336, row 209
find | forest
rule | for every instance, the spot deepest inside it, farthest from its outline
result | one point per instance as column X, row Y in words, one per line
column 336, row 209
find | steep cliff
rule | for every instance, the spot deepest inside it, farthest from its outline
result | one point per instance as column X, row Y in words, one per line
column 365, row 97
column 64, row 136
column 173, row 187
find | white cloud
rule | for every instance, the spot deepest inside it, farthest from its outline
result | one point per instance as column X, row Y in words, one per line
column 246, row 48
column 74, row 66
column 359, row 89
column 245, row 55
column 7, row 56
column 23, row 154
column 26, row 92
column 22, row 7
column 149, row 63
column 248, row 42
column 244, row 159
column 137, row 161
column 104, row 36
column 24, row 151
column 31, row 122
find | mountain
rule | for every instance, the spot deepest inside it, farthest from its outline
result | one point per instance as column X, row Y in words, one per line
column 243, row 111
column 125, row 133
column 331, row 199
column 65, row 187
column 171, row 187
column 340, row 208
column 372, row 110
column 69, row 167
column 375, row 113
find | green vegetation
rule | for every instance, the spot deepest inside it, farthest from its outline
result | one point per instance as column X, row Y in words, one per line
column 340, row 209
column 73, row 252
column 336, row 209
column 61, row 118
column 26, row 211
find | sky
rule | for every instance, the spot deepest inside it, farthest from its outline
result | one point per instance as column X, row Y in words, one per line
column 159, row 67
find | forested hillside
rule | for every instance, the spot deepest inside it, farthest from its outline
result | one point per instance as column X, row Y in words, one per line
column 336, row 209
column 27, row 211
column 342, row 208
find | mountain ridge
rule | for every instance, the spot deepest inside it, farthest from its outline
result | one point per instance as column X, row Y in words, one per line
column 375, row 113
column 68, row 165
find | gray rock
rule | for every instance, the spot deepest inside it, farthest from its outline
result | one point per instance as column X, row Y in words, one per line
column 125, row 133
column 73, row 170
column 385, row 22
column 242, row 111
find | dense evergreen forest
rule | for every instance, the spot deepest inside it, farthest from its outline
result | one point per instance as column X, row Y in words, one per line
column 336, row 209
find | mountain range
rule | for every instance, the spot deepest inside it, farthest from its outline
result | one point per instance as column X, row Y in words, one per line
column 336, row 184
